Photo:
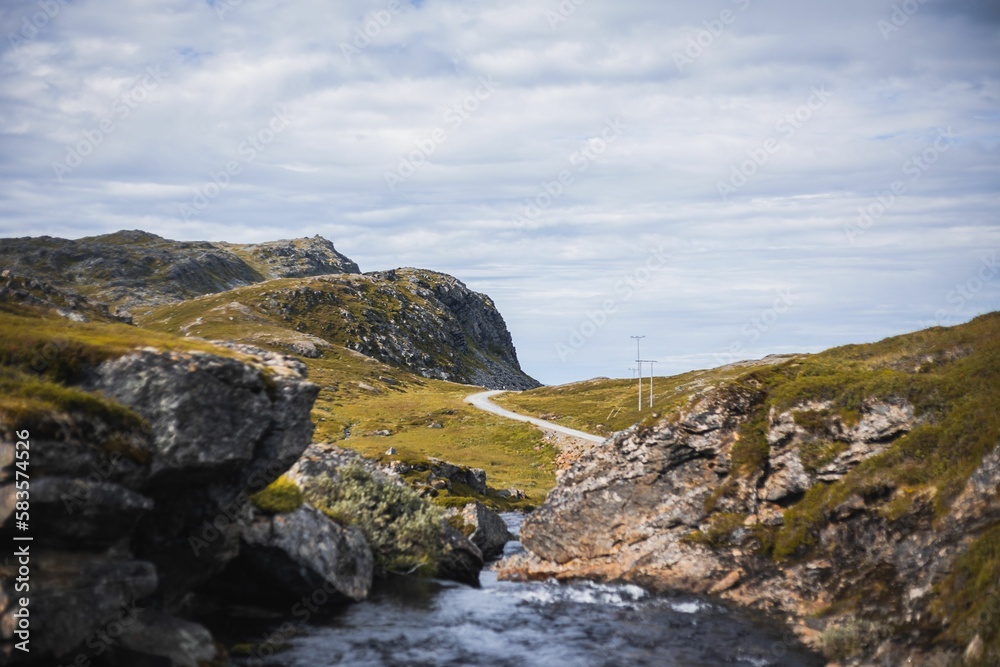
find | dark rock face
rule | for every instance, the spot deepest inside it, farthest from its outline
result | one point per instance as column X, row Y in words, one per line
column 304, row 551
column 131, row 268
column 16, row 289
column 628, row 509
column 148, row 525
column 427, row 322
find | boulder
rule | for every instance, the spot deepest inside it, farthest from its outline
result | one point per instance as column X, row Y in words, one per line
column 218, row 427
column 84, row 514
column 474, row 478
column 304, row 550
column 460, row 559
column 489, row 533
column 74, row 597
column 142, row 524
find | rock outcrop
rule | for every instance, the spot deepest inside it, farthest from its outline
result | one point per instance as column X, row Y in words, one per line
column 427, row 322
column 847, row 516
column 152, row 513
column 489, row 532
column 303, row 551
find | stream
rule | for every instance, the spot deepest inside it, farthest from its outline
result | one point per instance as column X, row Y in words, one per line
column 434, row 623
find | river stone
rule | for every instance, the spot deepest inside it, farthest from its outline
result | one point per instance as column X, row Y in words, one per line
column 304, row 550
column 461, row 560
column 490, row 533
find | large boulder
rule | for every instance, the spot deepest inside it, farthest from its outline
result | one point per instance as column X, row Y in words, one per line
column 303, row 551
column 218, row 427
column 141, row 517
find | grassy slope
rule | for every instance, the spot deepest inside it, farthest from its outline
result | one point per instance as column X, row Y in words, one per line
column 513, row 454
column 42, row 356
column 405, row 404
column 603, row 406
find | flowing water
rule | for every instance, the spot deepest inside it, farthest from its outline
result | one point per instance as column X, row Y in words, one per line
column 433, row 623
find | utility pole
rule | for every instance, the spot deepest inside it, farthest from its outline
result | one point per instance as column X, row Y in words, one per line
column 651, row 362
column 638, row 360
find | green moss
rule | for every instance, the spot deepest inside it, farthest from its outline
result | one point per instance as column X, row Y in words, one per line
column 817, row 453
column 845, row 640
column 802, row 523
column 280, row 497
column 52, row 411
column 459, row 523
column 750, row 453
column 813, row 421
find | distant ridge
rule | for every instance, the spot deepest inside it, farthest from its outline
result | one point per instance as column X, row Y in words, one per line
column 133, row 268
column 298, row 295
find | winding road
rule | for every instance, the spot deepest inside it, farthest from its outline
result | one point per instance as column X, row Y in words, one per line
column 483, row 402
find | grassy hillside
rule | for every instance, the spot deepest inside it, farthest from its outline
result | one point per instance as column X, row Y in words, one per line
column 603, row 406
column 43, row 356
column 360, row 397
column 427, row 322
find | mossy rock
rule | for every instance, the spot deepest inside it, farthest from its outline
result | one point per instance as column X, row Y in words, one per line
column 280, row 497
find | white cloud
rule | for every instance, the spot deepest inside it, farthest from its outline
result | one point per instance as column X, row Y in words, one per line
column 686, row 128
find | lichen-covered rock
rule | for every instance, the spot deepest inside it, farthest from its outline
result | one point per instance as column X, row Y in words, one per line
column 303, row 551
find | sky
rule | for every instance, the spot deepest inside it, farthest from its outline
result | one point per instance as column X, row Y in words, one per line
column 728, row 179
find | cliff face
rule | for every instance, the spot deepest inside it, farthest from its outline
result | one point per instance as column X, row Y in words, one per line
column 429, row 323
column 135, row 268
column 856, row 493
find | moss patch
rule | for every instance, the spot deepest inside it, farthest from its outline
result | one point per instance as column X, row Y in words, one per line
column 280, row 497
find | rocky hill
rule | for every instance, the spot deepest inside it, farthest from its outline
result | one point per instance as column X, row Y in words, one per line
column 300, row 296
column 427, row 322
column 855, row 492
column 135, row 268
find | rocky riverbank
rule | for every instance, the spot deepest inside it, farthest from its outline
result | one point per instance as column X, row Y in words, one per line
column 855, row 494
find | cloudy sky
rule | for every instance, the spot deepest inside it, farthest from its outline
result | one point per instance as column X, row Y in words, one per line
column 729, row 179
